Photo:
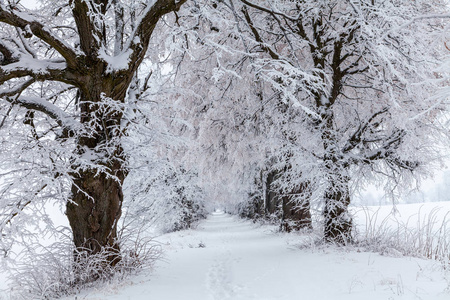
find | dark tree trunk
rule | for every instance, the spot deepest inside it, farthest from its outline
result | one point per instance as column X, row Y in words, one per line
column 258, row 207
column 338, row 222
column 292, row 209
column 93, row 213
column 296, row 213
column 271, row 197
column 96, row 201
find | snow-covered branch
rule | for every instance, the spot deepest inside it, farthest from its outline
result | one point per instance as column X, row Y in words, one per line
column 44, row 106
column 270, row 11
column 140, row 38
column 16, row 90
column 29, row 24
column 53, row 70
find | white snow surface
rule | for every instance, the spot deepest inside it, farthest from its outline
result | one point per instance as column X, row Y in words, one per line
column 227, row 258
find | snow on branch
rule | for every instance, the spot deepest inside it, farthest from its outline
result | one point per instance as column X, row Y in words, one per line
column 17, row 90
column 140, row 38
column 8, row 55
column 27, row 23
column 266, row 47
column 118, row 62
column 44, row 106
column 413, row 20
column 38, row 69
column 356, row 138
column 270, row 11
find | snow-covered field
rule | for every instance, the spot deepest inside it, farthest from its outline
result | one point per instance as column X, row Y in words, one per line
column 227, row 258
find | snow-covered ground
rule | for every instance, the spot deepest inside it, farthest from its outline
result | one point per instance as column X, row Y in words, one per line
column 227, row 258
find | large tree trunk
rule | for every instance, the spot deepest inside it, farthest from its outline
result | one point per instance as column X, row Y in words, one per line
column 296, row 214
column 292, row 208
column 93, row 213
column 337, row 220
column 98, row 166
column 96, row 201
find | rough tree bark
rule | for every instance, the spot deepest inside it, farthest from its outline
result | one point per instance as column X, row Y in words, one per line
column 271, row 201
column 296, row 214
column 96, row 203
column 292, row 208
column 338, row 222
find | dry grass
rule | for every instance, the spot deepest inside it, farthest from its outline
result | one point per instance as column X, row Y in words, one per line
column 425, row 235
column 51, row 271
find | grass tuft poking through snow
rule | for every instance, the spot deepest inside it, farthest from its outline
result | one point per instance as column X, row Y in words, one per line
column 50, row 272
column 424, row 232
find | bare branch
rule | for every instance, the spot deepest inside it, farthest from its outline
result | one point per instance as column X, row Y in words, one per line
column 388, row 148
column 257, row 36
column 268, row 10
column 355, row 139
column 139, row 40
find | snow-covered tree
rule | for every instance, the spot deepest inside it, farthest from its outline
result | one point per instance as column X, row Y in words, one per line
column 69, row 86
column 330, row 94
column 361, row 75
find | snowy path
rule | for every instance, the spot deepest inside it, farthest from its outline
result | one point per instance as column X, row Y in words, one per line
column 230, row 259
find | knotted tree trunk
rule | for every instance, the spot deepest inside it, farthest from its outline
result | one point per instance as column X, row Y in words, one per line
column 86, row 62
column 95, row 206
column 94, row 211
